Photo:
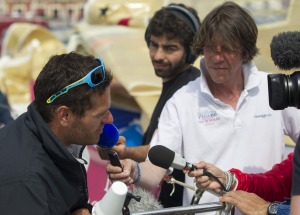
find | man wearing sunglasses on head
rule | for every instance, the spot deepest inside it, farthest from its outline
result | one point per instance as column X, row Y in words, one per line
column 42, row 171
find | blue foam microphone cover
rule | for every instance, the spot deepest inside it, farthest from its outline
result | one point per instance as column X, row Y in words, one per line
column 109, row 136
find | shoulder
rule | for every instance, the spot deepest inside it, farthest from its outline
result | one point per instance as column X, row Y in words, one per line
column 195, row 72
column 255, row 79
column 189, row 89
column 188, row 75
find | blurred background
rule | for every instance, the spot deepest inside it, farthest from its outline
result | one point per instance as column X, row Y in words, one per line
column 33, row 30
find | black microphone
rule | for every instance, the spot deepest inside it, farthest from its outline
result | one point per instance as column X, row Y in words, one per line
column 164, row 157
column 285, row 50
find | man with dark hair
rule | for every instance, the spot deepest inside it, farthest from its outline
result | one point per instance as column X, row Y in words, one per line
column 169, row 37
column 42, row 171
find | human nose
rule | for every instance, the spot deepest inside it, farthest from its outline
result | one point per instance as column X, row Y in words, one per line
column 108, row 118
column 218, row 55
column 158, row 54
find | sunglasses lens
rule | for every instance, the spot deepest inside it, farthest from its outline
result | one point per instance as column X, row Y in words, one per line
column 97, row 76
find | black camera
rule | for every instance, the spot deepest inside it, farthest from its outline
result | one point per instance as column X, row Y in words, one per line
column 284, row 90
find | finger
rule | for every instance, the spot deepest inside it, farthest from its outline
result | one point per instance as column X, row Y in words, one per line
column 203, row 184
column 122, row 139
column 112, row 169
column 128, row 181
column 196, row 173
column 202, row 165
column 229, row 199
column 211, row 185
column 123, row 177
column 203, row 179
column 117, row 176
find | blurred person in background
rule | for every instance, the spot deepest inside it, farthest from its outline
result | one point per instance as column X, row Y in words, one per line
column 169, row 37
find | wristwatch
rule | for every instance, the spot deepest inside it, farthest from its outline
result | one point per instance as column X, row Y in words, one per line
column 272, row 209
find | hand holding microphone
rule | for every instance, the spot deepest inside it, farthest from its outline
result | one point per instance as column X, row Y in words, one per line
column 109, row 138
column 163, row 157
column 206, row 182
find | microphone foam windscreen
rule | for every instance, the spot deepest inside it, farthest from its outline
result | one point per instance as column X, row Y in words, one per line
column 109, row 136
column 147, row 203
column 285, row 50
column 161, row 156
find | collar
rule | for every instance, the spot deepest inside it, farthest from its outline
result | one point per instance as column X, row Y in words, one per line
column 250, row 73
column 59, row 153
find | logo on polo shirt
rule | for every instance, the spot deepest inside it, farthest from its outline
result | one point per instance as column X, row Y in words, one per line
column 208, row 116
column 262, row 115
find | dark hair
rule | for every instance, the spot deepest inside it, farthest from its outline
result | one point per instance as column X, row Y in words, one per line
column 172, row 23
column 236, row 27
column 60, row 71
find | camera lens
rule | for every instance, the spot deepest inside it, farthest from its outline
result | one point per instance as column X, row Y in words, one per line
column 284, row 90
column 293, row 85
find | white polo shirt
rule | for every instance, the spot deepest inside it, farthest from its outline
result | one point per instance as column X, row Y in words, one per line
column 198, row 127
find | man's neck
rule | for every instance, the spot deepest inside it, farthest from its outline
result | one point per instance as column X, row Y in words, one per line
column 228, row 92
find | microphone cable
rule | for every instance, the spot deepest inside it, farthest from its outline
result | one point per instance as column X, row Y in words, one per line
column 207, row 173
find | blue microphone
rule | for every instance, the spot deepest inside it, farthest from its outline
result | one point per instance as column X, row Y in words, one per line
column 108, row 139
column 109, row 136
